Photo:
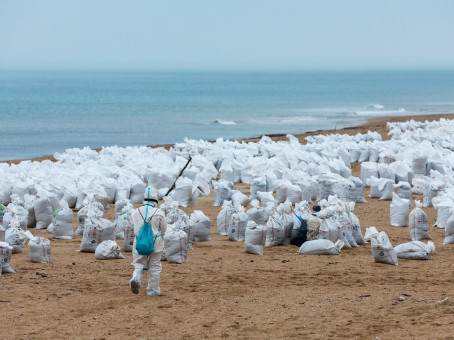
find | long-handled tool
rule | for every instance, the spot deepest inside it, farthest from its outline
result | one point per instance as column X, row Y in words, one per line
column 181, row 172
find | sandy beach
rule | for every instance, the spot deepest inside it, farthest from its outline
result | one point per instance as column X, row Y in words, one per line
column 222, row 292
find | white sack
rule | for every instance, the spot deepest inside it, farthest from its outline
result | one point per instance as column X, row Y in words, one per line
column 238, row 198
column 418, row 224
column 415, row 250
column 175, row 245
column 222, row 192
column 255, row 237
column 381, row 247
column 237, row 224
column 5, row 258
column 202, row 226
column 321, row 247
column 39, row 250
column 223, row 218
column 398, row 210
column 108, row 250
column 63, row 224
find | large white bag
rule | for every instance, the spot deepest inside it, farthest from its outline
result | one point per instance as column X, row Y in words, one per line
column 223, row 218
column 255, row 237
column 276, row 231
column 43, row 212
column 328, row 230
column 259, row 214
column 39, row 250
column 202, row 226
column 398, row 210
column 184, row 223
column 321, row 247
column 95, row 209
column 238, row 198
column 108, row 250
column 237, row 224
column 222, row 192
column 5, row 257
column 415, row 250
column 381, row 247
column 175, row 245
column 418, row 224
column 95, row 231
column 14, row 239
column 63, row 224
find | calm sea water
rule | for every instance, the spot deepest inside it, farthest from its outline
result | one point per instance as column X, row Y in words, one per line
column 45, row 112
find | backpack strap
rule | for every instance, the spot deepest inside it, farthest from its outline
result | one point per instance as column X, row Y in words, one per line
column 144, row 218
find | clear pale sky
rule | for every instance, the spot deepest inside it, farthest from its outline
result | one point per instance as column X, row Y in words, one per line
column 226, row 34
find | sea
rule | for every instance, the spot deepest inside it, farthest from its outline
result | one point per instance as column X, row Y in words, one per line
column 43, row 112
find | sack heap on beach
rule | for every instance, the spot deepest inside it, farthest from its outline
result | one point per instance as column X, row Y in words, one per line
column 418, row 154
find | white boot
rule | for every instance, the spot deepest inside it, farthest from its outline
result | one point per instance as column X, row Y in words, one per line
column 153, row 288
column 134, row 283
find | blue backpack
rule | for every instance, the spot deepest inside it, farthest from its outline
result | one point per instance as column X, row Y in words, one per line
column 145, row 239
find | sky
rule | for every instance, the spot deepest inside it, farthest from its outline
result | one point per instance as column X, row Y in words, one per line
column 226, row 34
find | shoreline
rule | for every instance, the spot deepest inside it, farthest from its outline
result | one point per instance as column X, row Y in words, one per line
column 374, row 123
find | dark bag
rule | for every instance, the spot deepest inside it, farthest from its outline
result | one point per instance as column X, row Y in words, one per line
column 299, row 235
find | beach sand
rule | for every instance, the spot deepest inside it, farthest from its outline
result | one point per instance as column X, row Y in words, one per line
column 222, row 292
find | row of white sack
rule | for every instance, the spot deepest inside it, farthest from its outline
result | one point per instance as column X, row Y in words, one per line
column 350, row 190
column 281, row 223
column 186, row 191
column 382, row 249
column 384, row 252
column 417, row 219
column 401, row 172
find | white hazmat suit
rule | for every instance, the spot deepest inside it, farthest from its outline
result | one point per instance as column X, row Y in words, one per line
column 152, row 263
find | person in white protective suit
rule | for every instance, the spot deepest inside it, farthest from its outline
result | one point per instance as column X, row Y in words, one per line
column 155, row 217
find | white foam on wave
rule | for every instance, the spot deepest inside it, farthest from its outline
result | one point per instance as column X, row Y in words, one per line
column 376, row 106
column 380, row 112
column 224, row 122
